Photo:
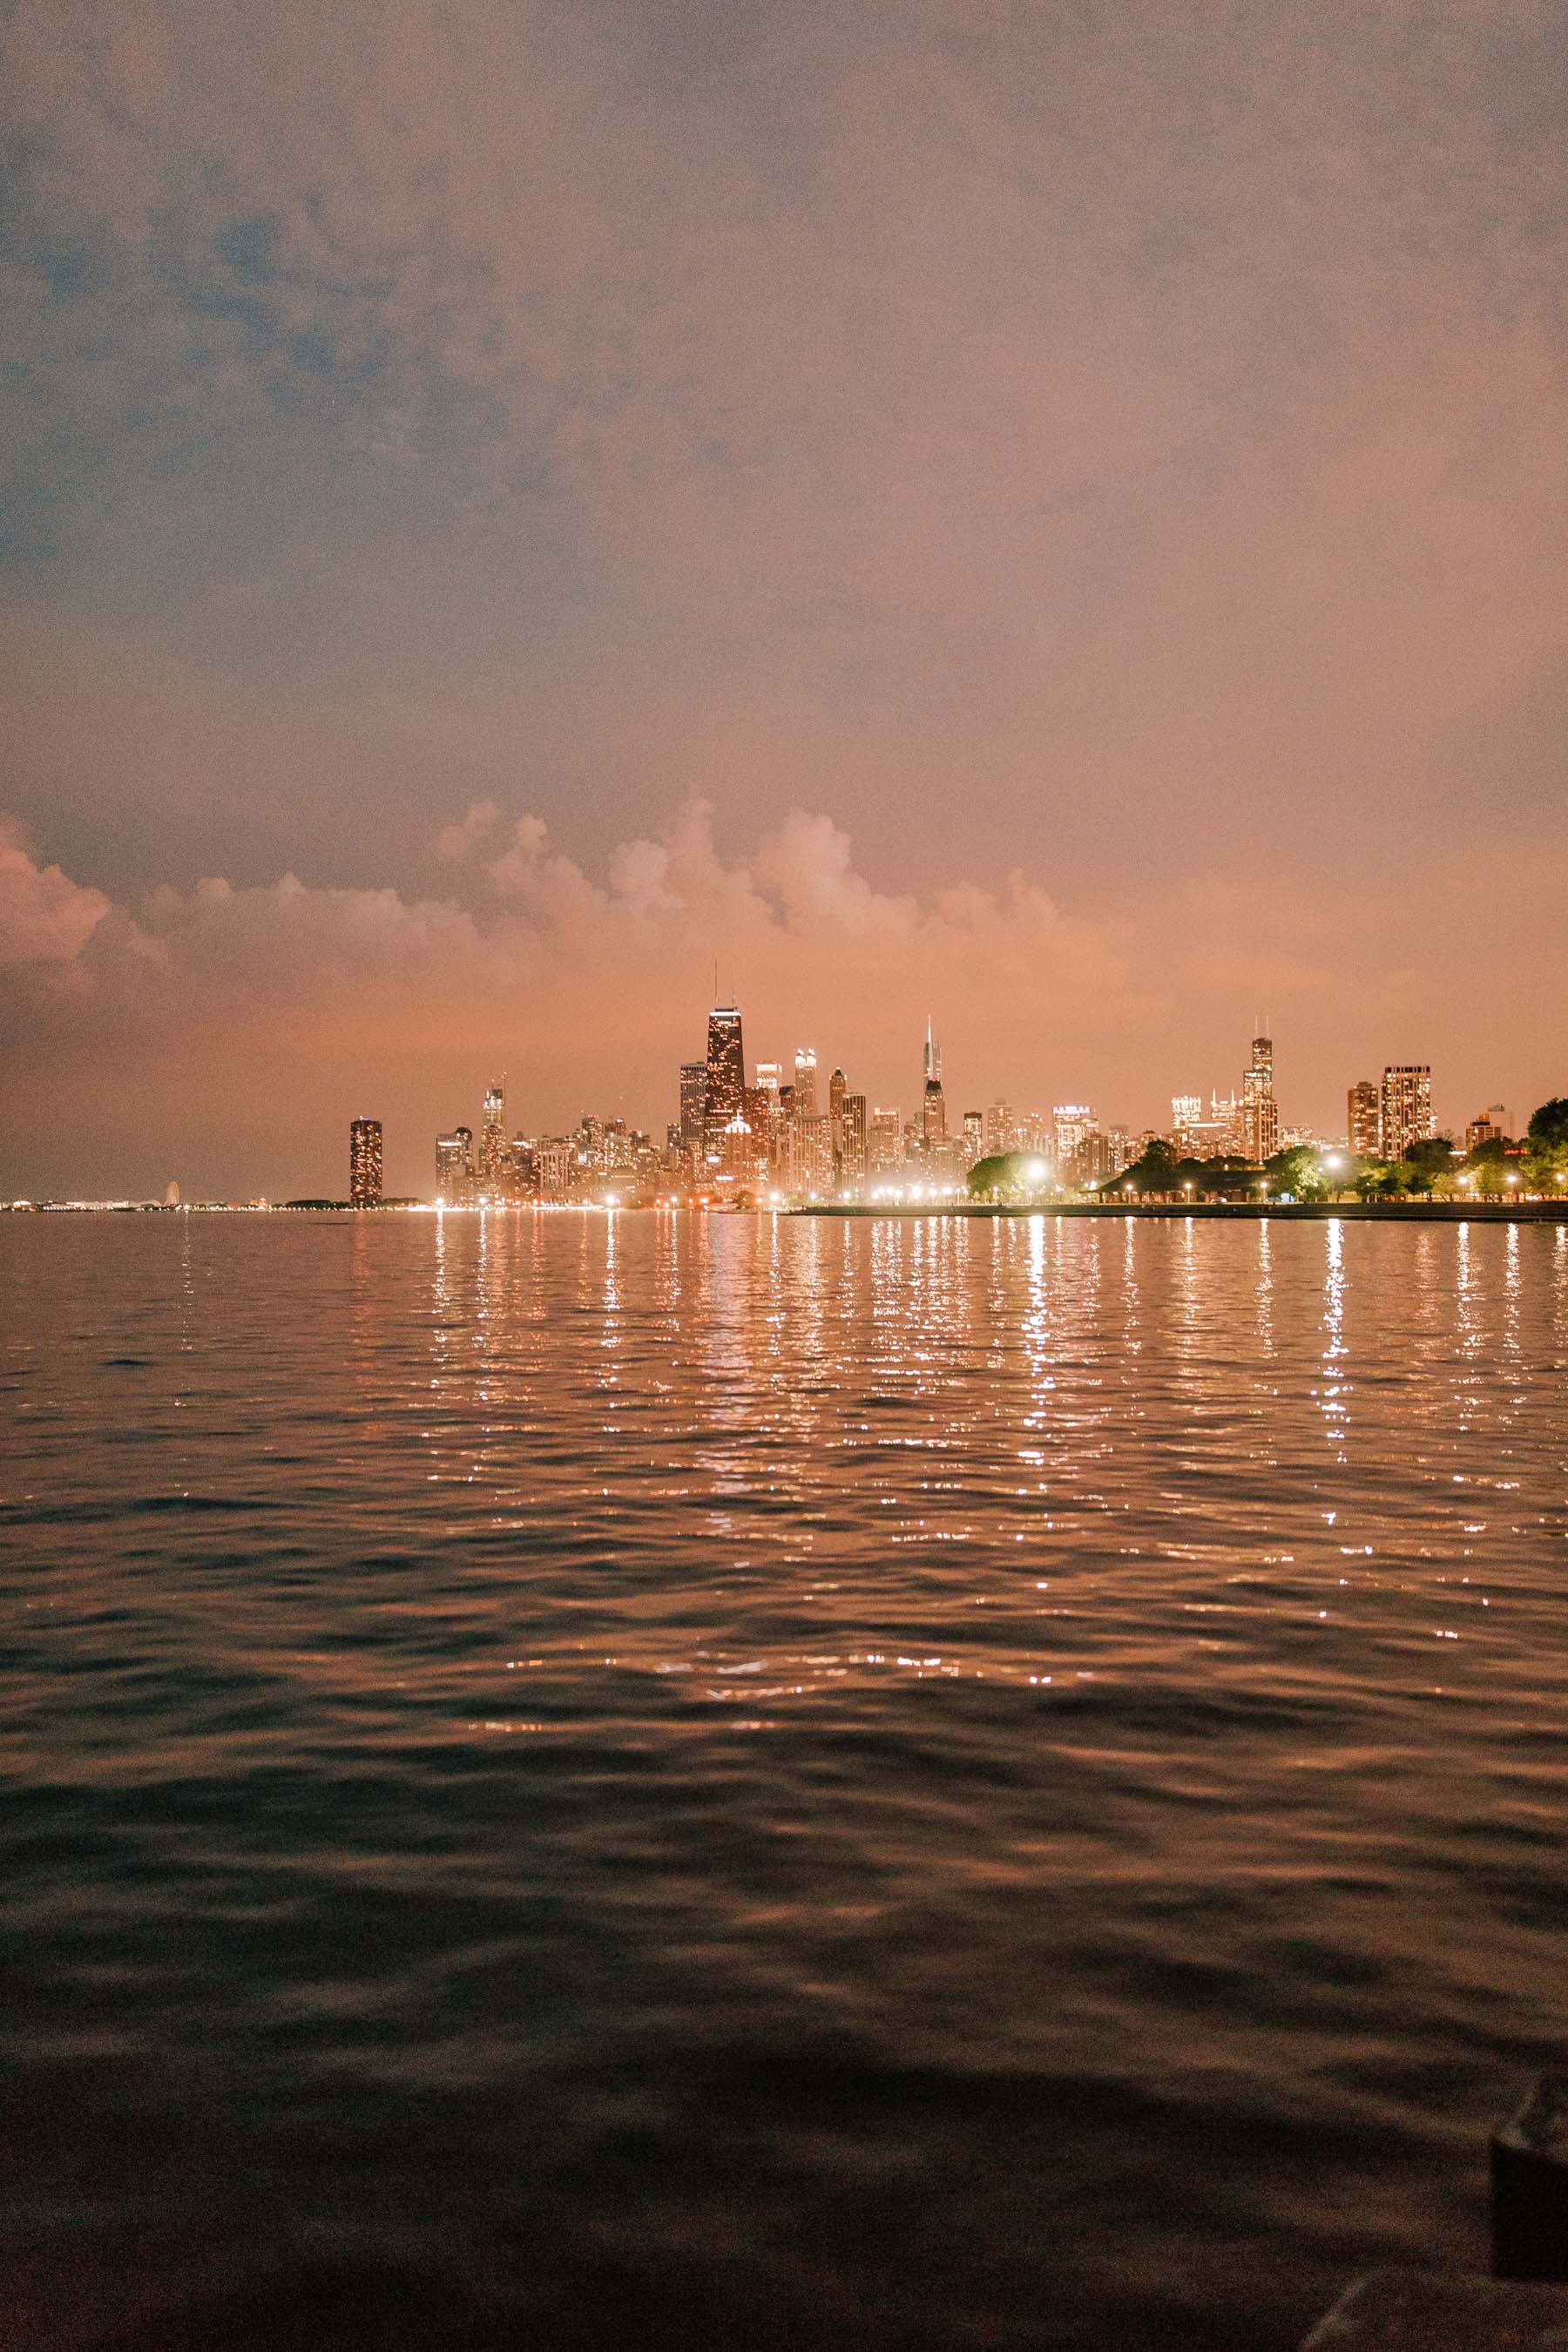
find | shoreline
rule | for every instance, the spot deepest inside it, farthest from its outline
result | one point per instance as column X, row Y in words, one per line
column 1441, row 1213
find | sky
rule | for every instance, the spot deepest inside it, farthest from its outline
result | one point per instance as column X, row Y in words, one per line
column 1048, row 517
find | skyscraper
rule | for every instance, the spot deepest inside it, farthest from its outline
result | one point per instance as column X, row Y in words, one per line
column 933, row 1109
column 837, row 1087
column 973, row 1136
column 364, row 1163
column 1070, row 1122
column 1405, row 1109
column 1260, row 1112
column 455, row 1167
column 693, row 1103
column 726, row 1072
column 495, row 1153
column 853, row 1165
column 805, row 1103
column 1363, row 1117
column 1186, row 1120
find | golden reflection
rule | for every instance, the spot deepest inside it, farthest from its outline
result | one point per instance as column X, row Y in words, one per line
column 1263, row 1297
column 1335, row 1392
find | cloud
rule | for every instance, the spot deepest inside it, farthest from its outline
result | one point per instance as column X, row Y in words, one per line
column 478, row 818
column 45, row 917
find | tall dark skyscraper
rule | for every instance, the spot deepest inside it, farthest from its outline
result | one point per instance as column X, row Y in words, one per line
column 726, row 1071
column 364, row 1163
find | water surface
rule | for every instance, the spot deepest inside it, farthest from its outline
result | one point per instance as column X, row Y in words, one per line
column 918, row 1783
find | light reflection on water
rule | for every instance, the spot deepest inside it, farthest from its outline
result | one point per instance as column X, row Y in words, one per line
column 923, row 1780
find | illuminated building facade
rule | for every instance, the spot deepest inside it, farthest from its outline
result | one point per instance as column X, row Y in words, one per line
column 1260, row 1110
column 1489, row 1125
column 364, row 1163
column 1406, row 1108
column 884, row 1142
column 1187, row 1124
column 805, row 1102
column 974, row 1137
column 933, row 1108
column 495, row 1153
column 1363, row 1118
column 726, row 1073
column 455, row 1168
column 693, row 1103
column 853, row 1140
column 1070, row 1122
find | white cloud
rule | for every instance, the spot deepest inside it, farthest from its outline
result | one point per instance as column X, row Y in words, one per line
column 45, row 917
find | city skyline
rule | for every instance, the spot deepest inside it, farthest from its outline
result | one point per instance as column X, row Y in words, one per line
column 769, row 1141
column 250, row 1071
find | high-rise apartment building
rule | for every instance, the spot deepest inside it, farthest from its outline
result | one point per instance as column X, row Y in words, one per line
column 726, row 1070
column 1260, row 1110
column 1406, row 1108
column 804, row 1105
column 1070, row 1122
column 455, row 1168
column 364, row 1163
column 974, row 1137
column 884, row 1142
column 999, row 1129
column 1364, row 1115
column 1186, row 1119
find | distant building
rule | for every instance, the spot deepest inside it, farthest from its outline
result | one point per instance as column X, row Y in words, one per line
column 726, row 1073
column 999, row 1132
column 805, row 1103
column 1070, row 1122
column 1406, row 1108
column 1187, row 1124
column 170, row 1194
column 364, row 1163
column 1489, row 1125
column 974, row 1137
column 455, row 1168
column 1363, row 1118
column 884, row 1142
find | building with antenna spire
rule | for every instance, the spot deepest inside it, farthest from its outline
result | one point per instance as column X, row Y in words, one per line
column 934, row 1110
column 726, row 1073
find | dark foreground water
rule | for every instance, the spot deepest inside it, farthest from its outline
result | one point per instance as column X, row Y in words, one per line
column 585, row 1782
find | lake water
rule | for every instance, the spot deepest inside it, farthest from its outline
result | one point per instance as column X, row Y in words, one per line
column 572, row 1780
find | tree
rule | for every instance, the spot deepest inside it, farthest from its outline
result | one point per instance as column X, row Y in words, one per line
column 1007, row 1175
column 1299, row 1172
column 1546, row 1145
column 1549, row 1125
column 1156, row 1170
column 1429, row 1159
